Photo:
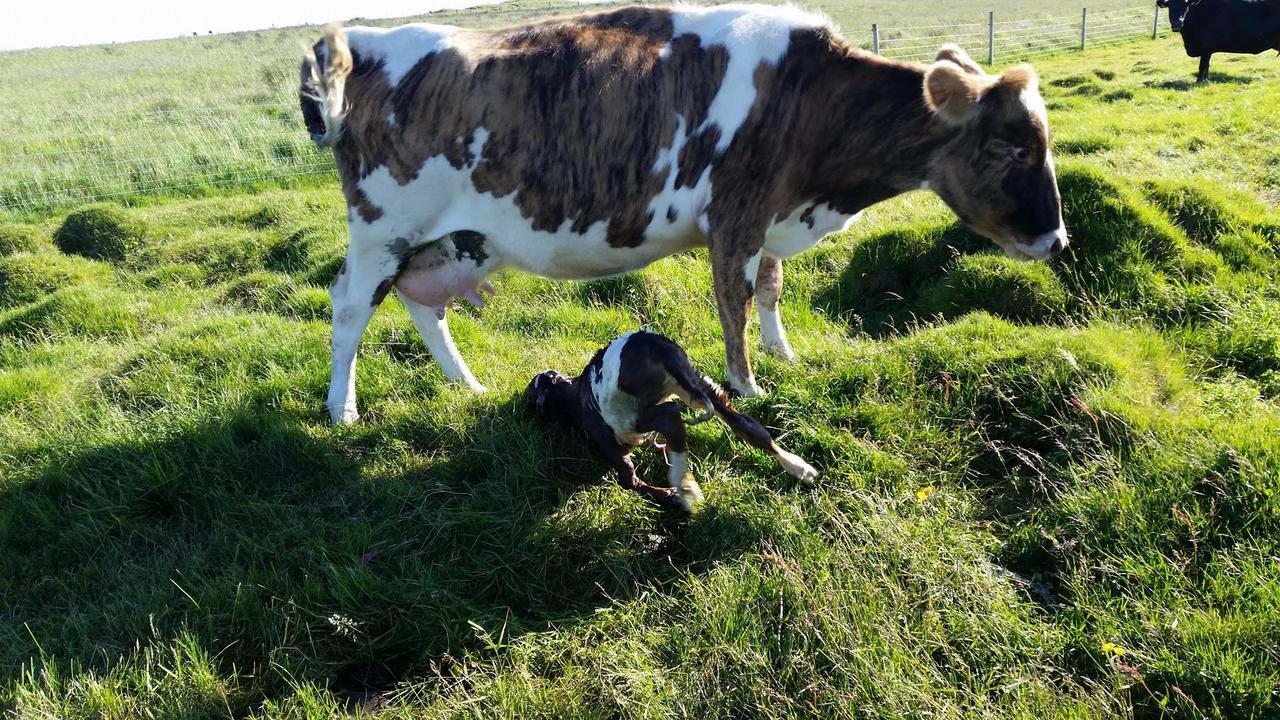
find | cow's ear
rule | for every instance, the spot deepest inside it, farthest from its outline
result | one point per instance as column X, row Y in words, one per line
column 1022, row 77
column 952, row 93
column 953, row 53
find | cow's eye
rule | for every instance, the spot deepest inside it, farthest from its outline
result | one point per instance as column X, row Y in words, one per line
column 1021, row 154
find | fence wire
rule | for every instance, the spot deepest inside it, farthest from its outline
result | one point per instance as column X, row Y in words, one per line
column 186, row 116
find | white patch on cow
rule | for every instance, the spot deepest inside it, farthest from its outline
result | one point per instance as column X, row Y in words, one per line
column 752, row 34
column 753, row 266
column 400, row 48
column 687, row 202
column 479, row 138
column 792, row 235
column 618, row 409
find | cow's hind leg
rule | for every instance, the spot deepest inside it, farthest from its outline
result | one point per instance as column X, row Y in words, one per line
column 665, row 420
column 361, row 285
column 620, row 459
column 434, row 329
column 768, row 293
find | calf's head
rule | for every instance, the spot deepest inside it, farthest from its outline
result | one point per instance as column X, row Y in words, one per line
column 995, row 170
column 549, row 396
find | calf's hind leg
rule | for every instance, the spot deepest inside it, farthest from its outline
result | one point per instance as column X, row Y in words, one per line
column 620, row 459
column 665, row 420
column 747, row 428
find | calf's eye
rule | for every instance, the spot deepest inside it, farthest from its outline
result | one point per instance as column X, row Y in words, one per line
column 1021, row 154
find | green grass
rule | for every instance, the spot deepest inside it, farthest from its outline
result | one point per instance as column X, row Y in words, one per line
column 1021, row 463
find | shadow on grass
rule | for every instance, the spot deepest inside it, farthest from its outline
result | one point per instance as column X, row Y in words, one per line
column 283, row 545
column 1214, row 77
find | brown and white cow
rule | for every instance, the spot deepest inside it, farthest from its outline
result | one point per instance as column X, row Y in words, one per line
column 592, row 146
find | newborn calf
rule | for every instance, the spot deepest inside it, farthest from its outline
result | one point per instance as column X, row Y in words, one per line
column 623, row 397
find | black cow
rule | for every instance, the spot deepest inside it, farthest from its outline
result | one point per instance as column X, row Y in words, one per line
column 1232, row 26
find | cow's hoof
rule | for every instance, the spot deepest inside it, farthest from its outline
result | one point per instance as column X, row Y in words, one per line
column 346, row 416
column 744, row 388
column 781, row 350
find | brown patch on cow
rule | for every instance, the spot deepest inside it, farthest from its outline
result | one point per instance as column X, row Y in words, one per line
column 769, row 281
column 585, row 88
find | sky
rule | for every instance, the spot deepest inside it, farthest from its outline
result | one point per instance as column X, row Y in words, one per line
column 43, row 23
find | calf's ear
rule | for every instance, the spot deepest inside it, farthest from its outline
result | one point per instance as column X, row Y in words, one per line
column 952, row 92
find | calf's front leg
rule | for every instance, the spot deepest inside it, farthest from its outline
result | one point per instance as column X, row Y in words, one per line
column 619, row 458
column 665, row 420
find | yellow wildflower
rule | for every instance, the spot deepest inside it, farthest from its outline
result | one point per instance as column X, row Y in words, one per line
column 1110, row 648
column 923, row 493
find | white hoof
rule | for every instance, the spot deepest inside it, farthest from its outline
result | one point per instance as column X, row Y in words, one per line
column 344, row 416
column 782, row 350
column 747, row 388
column 797, row 467
column 688, row 493
column 474, row 386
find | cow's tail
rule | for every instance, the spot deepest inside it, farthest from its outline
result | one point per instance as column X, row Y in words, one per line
column 325, row 69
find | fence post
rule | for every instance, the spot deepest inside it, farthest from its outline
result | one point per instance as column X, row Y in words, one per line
column 875, row 38
column 1084, row 21
column 1155, row 25
column 991, row 38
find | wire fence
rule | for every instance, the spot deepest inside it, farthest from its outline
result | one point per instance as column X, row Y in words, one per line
column 198, row 115
column 995, row 40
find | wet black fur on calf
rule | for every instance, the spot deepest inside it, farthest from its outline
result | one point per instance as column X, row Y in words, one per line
column 648, row 364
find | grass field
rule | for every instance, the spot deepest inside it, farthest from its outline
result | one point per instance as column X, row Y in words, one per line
column 1049, row 490
column 199, row 115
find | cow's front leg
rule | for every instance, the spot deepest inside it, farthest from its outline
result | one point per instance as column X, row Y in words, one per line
column 361, row 285
column 768, row 293
column 734, row 262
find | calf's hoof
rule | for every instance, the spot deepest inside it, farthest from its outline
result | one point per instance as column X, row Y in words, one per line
column 797, row 468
